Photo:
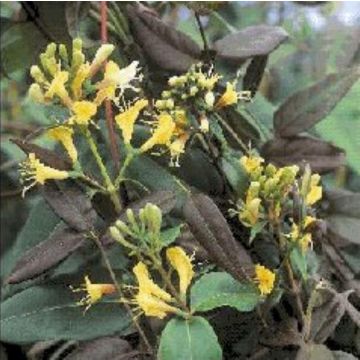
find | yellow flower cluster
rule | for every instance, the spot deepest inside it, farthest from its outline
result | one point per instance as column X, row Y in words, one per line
column 265, row 279
column 153, row 300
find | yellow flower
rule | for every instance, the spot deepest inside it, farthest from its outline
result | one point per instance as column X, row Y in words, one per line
column 251, row 163
column 304, row 242
column 153, row 306
column 83, row 112
column 37, row 75
column 249, row 215
column 35, row 172
column 116, row 78
column 126, row 119
column 81, row 75
column 101, row 55
column 177, row 147
column 57, row 87
column 229, row 97
column 182, row 264
column 94, row 292
column 209, row 82
column 315, row 192
column 64, row 134
column 265, row 279
column 162, row 134
column 146, row 285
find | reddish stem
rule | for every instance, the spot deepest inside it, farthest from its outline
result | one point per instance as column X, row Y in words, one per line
column 108, row 107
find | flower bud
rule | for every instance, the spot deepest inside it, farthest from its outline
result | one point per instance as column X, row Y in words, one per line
column 37, row 74
column 153, row 218
column 122, row 226
column 116, row 234
column 63, row 53
column 193, row 90
column 77, row 44
column 166, row 94
column 160, row 104
column 77, row 60
column 204, row 124
column 210, row 99
column 169, row 104
column 102, row 54
column 172, row 81
column 50, row 50
column 36, row 93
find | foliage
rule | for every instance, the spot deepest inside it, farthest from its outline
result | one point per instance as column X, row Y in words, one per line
column 188, row 202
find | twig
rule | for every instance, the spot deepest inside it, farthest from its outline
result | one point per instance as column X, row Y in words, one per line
column 120, row 292
column 202, row 32
column 108, row 109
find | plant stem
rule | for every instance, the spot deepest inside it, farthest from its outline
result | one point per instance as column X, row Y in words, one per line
column 110, row 188
column 224, row 22
column 232, row 133
column 202, row 32
column 120, row 292
column 129, row 157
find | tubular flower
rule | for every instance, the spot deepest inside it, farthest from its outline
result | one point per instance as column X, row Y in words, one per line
column 315, row 192
column 57, row 87
column 182, row 264
column 146, row 285
column 36, row 94
column 81, row 75
column 229, row 97
column 251, row 163
column 35, row 172
column 162, row 134
column 249, row 214
column 303, row 239
column 94, row 292
column 151, row 299
column 177, row 147
column 116, row 78
column 83, row 112
column 64, row 134
column 126, row 119
column 265, row 279
column 153, row 306
column 101, row 55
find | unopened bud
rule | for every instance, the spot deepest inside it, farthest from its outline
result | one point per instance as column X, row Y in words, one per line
column 36, row 94
column 170, row 104
column 172, row 81
column 160, row 104
column 63, row 53
column 305, row 184
column 122, row 226
column 204, row 124
column 153, row 217
column 37, row 74
column 116, row 234
column 50, row 50
column 102, row 54
column 77, row 44
column 166, row 94
column 193, row 90
column 77, row 60
column 210, row 99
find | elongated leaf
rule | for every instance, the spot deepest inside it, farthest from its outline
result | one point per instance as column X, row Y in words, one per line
column 61, row 243
column 252, row 41
column 192, row 339
column 167, row 47
column 74, row 12
column 168, row 236
column 104, row 348
column 305, row 108
column 212, row 231
column 254, row 74
column 70, row 203
column 46, row 156
column 46, row 313
column 322, row 156
column 219, row 289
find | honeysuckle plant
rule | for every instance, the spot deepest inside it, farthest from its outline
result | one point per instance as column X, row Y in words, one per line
column 170, row 215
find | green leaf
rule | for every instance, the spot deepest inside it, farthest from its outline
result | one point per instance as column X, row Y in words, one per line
column 299, row 262
column 48, row 313
column 221, row 289
column 192, row 339
column 168, row 236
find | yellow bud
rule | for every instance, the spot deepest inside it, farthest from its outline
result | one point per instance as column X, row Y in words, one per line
column 166, row 94
column 37, row 74
column 63, row 53
column 210, row 99
column 102, row 54
column 77, row 44
column 50, row 50
column 36, row 93
column 193, row 90
column 170, row 104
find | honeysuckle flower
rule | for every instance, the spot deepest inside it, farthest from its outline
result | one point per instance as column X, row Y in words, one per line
column 315, row 192
column 303, row 238
column 94, row 292
column 250, row 211
column 162, row 133
column 153, row 306
column 229, row 97
column 83, row 112
column 57, row 87
column 208, row 82
column 265, row 279
column 177, row 147
column 146, row 284
column 183, row 266
column 36, row 94
column 251, row 163
column 82, row 74
column 126, row 120
column 64, row 134
column 116, row 78
column 34, row 172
